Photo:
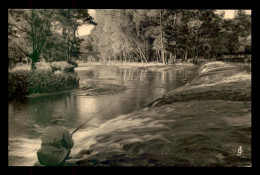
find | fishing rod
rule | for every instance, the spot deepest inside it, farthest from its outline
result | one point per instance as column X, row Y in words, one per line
column 88, row 120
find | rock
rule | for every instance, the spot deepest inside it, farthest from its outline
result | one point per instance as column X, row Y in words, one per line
column 37, row 164
column 85, row 88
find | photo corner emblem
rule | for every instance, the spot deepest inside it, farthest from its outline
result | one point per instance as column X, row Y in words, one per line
column 239, row 151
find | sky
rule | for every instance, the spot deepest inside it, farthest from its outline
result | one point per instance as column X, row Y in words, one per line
column 231, row 13
column 85, row 29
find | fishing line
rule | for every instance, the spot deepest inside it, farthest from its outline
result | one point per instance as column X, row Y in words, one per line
column 88, row 120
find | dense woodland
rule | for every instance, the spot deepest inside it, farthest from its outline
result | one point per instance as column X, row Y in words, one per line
column 166, row 35
column 143, row 35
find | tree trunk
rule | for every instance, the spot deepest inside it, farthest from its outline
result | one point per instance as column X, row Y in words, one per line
column 130, row 42
column 124, row 52
column 171, row 58
column 73, row 45
column 33, row 67
column 165, row 57
column 186, row 55
column 141, row 51
column 194, row 51
column 68, row 51
column 158, row 55
column 125, row 55
column 162, row 50
column 35, row 58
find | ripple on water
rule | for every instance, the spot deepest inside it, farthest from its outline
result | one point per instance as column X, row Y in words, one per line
column 23, row 151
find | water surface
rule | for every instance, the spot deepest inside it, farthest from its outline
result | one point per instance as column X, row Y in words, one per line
column 28, row 118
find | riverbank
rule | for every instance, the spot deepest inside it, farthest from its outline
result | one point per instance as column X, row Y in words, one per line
column 153, row 66
column 200, row 124
column 46, row 78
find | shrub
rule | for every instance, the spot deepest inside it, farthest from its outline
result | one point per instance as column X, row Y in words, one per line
column 20, row 67
column 62, row 65
column 18, row 83
column 43, row 67
column 50, row 82
column 22, row 81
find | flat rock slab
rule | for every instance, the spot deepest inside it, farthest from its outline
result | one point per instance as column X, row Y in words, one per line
column 192, row 133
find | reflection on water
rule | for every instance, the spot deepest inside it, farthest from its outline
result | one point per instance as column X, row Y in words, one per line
column 28, row 119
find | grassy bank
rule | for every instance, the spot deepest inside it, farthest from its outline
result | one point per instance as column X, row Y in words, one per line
column 47, row 77
column 153, row 66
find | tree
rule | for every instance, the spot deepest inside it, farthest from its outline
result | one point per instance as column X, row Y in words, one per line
column 42, row 33
column 33, row 26
column 157, row 35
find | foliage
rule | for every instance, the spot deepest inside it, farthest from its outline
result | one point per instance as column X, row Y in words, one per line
column 22, row 81
column 47, row 82
column 43, row 36
column 61, row 65
column 166, row 34
column 45, row 33
column 18, row 83
column 30, row 30
column 42, row 67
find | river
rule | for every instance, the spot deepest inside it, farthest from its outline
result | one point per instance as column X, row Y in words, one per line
column 29, row 117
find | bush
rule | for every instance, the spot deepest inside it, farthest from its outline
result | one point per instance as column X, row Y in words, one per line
column 21, row 67
column 43, row 67
column 50, row 82
column 18, row 83
column 22, row 81
column 63, row 66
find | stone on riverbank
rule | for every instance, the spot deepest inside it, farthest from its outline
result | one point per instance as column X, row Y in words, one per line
column 191, row 133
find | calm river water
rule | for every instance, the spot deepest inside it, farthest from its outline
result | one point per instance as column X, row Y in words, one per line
column 27, row 119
